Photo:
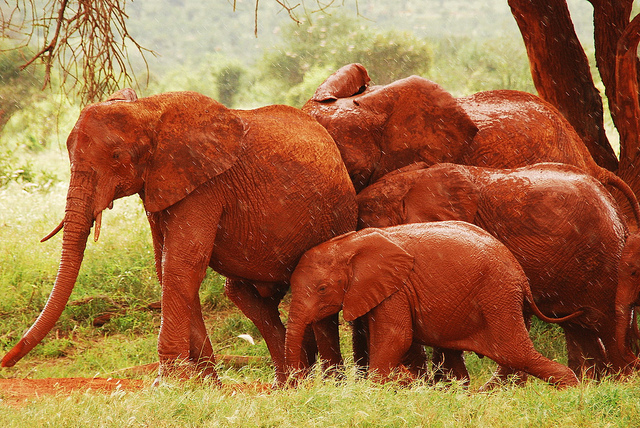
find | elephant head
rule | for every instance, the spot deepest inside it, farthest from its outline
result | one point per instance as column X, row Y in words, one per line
column 379, row 129
column 628, row 296
column 424, row 194
column 353, row 272
column 161, row 147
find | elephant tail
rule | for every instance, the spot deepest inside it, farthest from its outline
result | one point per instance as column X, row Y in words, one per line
column 611, row 179
column 537, row 312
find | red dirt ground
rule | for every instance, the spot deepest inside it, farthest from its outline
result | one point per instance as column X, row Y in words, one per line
column 17, row 392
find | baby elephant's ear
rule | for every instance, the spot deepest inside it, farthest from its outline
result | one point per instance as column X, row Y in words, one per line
column 378, row 269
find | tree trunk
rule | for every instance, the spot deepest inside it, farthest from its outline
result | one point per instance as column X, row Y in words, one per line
column 628, row 114
column 561, row 72
column 610, row 18
column 77, row 226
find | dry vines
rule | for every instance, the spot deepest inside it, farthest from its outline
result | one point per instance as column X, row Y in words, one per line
column 88, row 40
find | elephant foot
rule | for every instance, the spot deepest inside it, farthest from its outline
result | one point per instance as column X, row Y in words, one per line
column 399, row 375
column 449, row 366
column 185, row 370
column 505, row 376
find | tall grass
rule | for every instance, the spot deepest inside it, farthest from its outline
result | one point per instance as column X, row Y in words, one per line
column 348, row 403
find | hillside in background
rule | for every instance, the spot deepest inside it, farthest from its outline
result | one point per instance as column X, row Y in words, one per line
column 182, row 31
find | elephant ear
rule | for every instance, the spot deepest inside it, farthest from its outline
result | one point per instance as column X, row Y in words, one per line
column 349, row 80
column 193, row 145
column 378, row 267
column 442, row 192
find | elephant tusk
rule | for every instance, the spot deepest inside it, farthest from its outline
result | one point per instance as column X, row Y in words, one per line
column 53, row 232
column 96, row 231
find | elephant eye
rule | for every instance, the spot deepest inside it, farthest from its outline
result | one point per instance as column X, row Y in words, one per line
column 322, row 289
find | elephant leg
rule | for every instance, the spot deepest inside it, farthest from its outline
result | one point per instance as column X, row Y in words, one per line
column 416, row 360
column 586, row 355
column 182, row 325
column 513, row 348
column 309, row 347
column 359, row 338
column 264, row 313
column 201, row 349
column 328, row 342
column 449, row 364
column 390, row 337
column 183, row 243
column 505, row 375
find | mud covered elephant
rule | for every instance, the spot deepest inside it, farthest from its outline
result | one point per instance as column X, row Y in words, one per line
column 448, row 284
column 562, row 226
column 379, row 129
column 244, row 192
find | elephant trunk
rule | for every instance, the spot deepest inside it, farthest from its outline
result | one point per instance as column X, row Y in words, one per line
column 624, row 318
column 295, row 357
column 77, row 226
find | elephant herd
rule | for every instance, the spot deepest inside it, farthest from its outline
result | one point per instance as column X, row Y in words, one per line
column 428, row 220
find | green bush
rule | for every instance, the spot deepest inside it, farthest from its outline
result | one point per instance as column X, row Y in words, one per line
column 464, row 65
column 330, row 41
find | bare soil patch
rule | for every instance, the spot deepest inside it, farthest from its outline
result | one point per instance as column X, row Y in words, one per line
column 16, row 391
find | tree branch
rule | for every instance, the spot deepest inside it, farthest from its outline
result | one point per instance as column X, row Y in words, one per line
column 89, row 44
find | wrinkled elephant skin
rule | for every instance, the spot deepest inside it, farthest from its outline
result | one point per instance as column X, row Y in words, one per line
column 561, row 224
column 447, row 284
column 380, row 129
column 244, row 192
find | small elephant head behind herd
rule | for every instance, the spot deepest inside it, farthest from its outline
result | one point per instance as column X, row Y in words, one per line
column 233, row 190
column 447, row 284
column 562, row 226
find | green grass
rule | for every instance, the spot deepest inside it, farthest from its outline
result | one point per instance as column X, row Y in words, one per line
column 118, row 278
column 350, row 403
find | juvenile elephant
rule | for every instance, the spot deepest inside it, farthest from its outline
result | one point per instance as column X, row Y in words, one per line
column 448, row 284
column 562, row 226
column 379, row 129
column 244, row 192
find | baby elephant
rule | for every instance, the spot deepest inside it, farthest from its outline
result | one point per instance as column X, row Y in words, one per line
column 448, row 284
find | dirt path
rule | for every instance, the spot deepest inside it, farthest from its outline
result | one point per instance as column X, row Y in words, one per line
column 16, row 391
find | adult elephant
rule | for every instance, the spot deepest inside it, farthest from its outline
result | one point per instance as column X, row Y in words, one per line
column 379, row 129
column 562, row 226
column 244, row 192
